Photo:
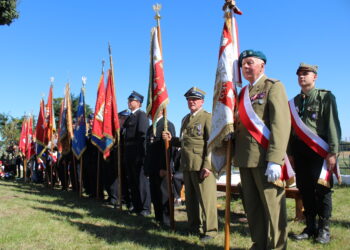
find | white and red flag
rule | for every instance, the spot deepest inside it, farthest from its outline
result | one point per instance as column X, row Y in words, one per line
column 157, row 93
column 224, row 103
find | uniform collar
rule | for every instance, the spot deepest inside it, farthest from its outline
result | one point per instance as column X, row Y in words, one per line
column 257, row 80
column 193, row 114
column 134, row 111
column 313, row 90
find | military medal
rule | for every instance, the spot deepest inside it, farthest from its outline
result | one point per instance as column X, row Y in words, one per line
column 261, row 101
column 199, row 129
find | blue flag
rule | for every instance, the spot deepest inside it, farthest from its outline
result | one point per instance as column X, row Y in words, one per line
column 79, row 140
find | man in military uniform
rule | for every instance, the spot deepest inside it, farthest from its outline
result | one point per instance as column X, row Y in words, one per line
column 135, row 128
column 260, row 164
column 317, row 110
column 156, row 169
column 200, row 183
column 126, row 196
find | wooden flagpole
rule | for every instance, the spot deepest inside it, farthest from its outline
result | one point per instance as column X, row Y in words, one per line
column 117, row 137
column 157, row 8
column 228, row 194
column 81, row 177
column 25, row 168
column 75, row 172
column 119, row 177
column 98, row 175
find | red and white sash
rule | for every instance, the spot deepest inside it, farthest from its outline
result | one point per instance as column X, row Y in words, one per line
column 261, row 133
column 316, row 143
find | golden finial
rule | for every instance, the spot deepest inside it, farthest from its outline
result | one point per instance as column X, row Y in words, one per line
column 156, row 8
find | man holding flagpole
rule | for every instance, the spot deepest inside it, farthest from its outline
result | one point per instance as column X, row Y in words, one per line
column 313, row 147
column 260, row 142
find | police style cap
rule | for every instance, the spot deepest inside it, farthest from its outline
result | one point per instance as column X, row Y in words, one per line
column 136, row 96
column 124, row 113
column 307, row 67
column 91, row 116
column 251, row 53
column 195, row 92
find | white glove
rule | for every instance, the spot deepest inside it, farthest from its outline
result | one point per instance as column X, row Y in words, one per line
column 273, row 171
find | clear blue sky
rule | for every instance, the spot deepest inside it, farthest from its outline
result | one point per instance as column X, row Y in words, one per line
column 67, row 39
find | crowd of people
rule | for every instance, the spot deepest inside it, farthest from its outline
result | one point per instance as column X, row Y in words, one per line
column 262, row 103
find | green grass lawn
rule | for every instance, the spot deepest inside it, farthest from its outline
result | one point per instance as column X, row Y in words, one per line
column 34, row 217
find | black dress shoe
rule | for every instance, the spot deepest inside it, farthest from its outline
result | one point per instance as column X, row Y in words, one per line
column 323, row 236
column 205, row 238
column 305, row 235
column 145, row 213
column 133, row 211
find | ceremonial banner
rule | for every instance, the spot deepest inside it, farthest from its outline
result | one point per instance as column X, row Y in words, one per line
column 50, row 119
column 227, row 75
column 316, row 143
column 23, row 138
column 30, row 146
column 110, row 116
column 261, row 133
column 66, row 128
column 40, row 131
column 79, row 141
column 59, row 145
column 97, row 137
column 157, row 93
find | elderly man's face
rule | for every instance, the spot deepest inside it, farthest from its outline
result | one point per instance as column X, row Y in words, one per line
column 307, row 80
column 252, row 68
column 194, row 104
column 133, row 104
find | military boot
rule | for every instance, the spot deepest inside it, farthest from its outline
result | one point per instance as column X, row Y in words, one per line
column 323, row 236
column 309, row 231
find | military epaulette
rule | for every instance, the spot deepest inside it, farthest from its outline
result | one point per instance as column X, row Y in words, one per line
column 207, row 112
column 272, row 80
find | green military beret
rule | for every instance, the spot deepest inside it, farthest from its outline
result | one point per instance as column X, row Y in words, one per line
column 195, row 92
column 307, row 67
column 251, row 53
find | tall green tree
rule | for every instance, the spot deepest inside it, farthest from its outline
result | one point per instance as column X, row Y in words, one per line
column 8, row 11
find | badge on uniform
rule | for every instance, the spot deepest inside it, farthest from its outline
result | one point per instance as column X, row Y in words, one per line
column 198, row 127
column 314, row 116
column 258, row 98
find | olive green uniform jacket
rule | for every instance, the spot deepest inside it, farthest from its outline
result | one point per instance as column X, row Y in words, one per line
column 318, row 110
column 200, row 194
column 263, row 201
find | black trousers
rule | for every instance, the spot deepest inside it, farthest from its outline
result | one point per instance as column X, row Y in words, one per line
column 110, row 183
column 160, row 197
column 138, row 182
column 317, row 199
